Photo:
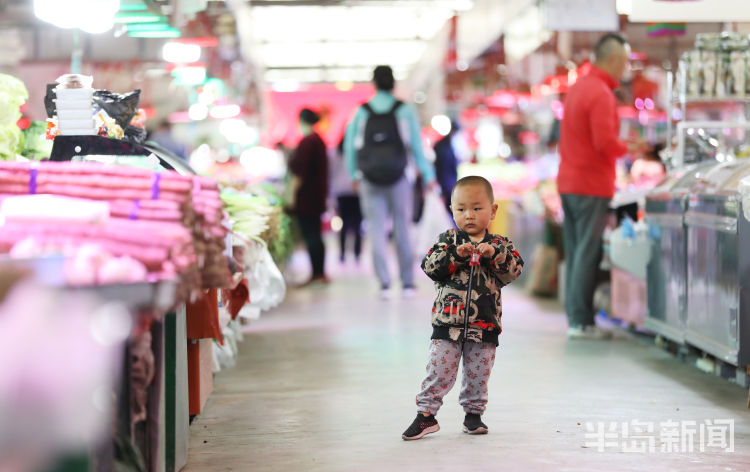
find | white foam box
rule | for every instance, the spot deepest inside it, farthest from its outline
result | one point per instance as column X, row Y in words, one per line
column 74, row 114
column 74, row 94
column 78, row 132
column 62, row 104
column 76, row 124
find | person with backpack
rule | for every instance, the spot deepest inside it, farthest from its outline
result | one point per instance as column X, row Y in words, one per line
column 377, row 145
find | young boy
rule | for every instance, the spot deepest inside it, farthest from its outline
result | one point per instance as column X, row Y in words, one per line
column 447, row 263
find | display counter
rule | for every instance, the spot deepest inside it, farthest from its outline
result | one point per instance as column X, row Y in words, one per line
column 718, row 261
column 667, row 267
column 697, row 292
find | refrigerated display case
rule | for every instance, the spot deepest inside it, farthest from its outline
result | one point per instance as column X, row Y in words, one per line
column 718, row 261
column 666, row 271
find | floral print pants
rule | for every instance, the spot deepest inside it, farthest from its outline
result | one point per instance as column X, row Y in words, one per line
column 442, row 370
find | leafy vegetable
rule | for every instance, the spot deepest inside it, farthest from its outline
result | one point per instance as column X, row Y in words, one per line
column 12, row 95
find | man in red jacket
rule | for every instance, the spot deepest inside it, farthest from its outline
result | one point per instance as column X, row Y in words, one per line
column 589, row 147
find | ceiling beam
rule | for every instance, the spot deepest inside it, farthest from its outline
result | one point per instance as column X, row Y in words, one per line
column 350, row 3
column 324, row 42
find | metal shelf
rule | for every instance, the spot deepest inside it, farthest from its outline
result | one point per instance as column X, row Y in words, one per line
column 709, row 100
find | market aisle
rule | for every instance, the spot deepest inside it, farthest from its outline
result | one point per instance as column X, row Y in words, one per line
column 327, row 381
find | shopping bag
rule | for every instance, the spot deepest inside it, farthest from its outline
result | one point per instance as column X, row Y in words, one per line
column 543, row 277
column 435, row 220
column 267, row 286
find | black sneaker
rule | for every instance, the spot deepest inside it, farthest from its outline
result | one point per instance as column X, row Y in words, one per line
column 421, row 426
column 473, row 424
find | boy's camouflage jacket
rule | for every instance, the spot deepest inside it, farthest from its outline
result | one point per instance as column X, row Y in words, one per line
column 451, row 275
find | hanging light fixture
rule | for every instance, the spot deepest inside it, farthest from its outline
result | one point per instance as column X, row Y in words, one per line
column 99, row 16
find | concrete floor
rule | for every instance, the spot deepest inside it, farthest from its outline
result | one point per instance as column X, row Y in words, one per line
column 326, row 382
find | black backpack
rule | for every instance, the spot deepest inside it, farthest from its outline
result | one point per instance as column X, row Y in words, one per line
column 382, row 158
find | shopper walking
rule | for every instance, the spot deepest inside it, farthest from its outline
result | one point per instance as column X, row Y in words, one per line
column 347, row 203
column 589, row 147
column 309, row 168
column 447, row 263
column 379, row 139
column 446, row 164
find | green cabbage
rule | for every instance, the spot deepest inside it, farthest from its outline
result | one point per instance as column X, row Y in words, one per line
column 13, row 94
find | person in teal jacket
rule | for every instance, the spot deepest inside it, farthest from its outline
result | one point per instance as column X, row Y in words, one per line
column 379, row 201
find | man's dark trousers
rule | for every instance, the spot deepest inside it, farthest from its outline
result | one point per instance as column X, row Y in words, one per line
column 583, row 227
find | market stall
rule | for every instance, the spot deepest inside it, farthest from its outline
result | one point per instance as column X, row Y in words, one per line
column 695, row 218
column 117, row 220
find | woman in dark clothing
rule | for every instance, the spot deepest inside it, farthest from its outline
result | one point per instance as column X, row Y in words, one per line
column 309, row 168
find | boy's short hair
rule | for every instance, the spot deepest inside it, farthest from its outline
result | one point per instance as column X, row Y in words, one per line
column 475, row 180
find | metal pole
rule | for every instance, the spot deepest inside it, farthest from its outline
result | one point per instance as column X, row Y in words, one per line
column 474, row 262
column 670, row 109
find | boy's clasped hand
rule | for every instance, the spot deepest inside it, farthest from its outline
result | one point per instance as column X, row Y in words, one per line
column 484, row 249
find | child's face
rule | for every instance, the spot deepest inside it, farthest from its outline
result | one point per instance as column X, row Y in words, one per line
column 472, row 209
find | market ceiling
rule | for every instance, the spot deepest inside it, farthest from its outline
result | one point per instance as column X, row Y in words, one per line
column 341, row 40
column 296, row 40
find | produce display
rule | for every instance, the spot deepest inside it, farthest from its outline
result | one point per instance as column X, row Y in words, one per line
column 210, row 216
column 257, row 214
column 34, row 144
column 13, row 94
column 172, row 224
column 123, row 229
column 249, row 214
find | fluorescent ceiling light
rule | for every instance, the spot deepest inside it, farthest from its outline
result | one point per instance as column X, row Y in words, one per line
column 279, row 78
column 334, row 23
column 167, row 33
column 138, row 27
column 394, row 33
column 283, row 85
column 132, row 5
column 97, row 18
column 97, row 21
column 338, row 54
column 138, row 17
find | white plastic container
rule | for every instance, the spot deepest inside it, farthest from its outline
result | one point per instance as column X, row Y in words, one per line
column 61, row 104
column 74, row 94
column 68, row 114
column 76, row 124
column 78, row 132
